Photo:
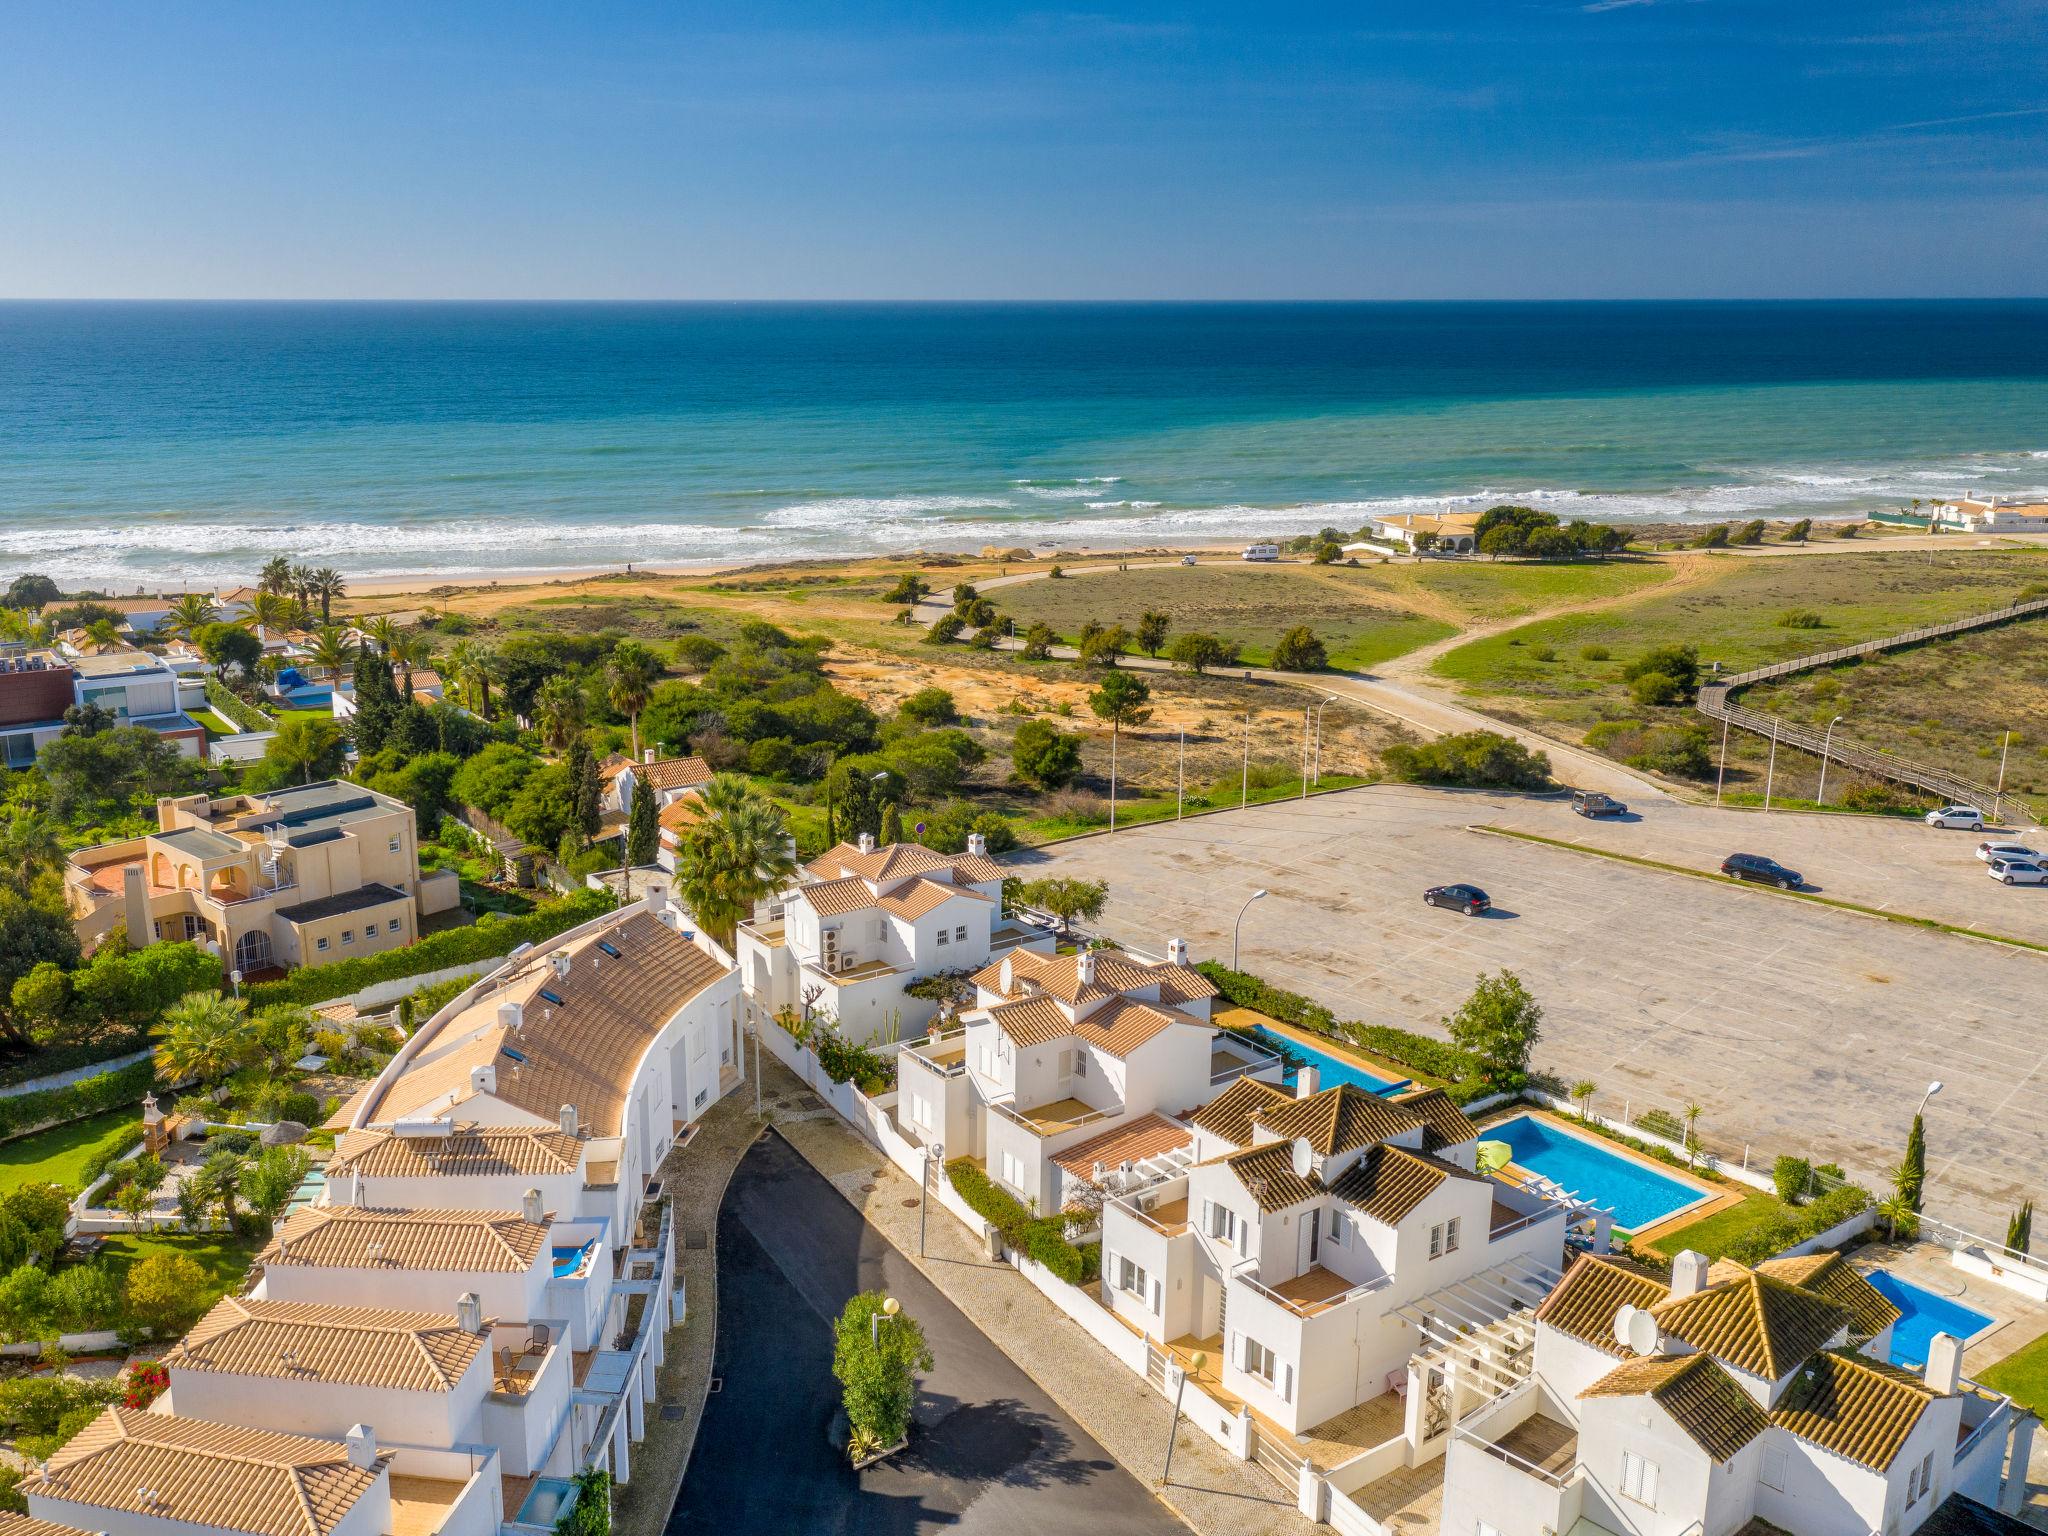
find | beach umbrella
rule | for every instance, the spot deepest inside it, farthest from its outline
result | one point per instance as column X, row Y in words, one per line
column 1494, row 1155
column 285, row 1133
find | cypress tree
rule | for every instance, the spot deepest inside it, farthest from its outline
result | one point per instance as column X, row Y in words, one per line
column 588, row 791
column 642, row 831
column 892, row 825
column 1913, row 1172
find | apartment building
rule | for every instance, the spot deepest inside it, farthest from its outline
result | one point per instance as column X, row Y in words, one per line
column 861, row 923
column 37, row 685
column 1723, row 1396
column 1294, row 1245
column 292, row 877
column 1068, row 1067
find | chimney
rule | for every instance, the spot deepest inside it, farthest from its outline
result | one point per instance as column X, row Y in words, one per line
column 484, row 1079
column 561, row 962
column 512, row 1016
column 977, row 844
column 647, row 756
column 1306, row 1082
column 1176, row 951
column 362, row 1447
column 1084, row 968
column 1688, row 1273
column 529, row 1207
column 469, row 1312
column 867, row 842
column 568, row 1117
column 1944, row 1362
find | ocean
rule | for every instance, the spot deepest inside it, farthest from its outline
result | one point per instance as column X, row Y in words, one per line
column 164, row 443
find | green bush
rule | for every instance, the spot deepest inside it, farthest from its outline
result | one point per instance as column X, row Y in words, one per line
column 1470, row 760
column 111, row 1148
column 54, row 1106
column 1787, row 1229
column 227, row 702
column 1594, row 653
column 1661, row 1122
column 1040, row 1238
column 1790, row 1176
column 1801, row 618
column 456, row 946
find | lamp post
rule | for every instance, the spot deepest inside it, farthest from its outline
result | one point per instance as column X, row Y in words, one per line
column 1306, row 716
column 1932, row 1089
column 1319, row 736
column 1771, row 773
column 1826, row 742
column 757, row 1060
column 1244, row 793
column 1255, row 895
column 1195, row 1363
column 890, row 1307
column 2004, row 747
column 1180, row 781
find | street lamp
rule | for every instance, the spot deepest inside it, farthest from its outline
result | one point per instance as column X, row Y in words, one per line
column 1825, row 741
column 890, row 1307
column 1255, row 895
column 1195, row 1363
column 1932, row 1089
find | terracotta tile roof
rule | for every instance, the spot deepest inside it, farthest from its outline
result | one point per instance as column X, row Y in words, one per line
column 222, row 1476
column 669, row 773
column 582, row 1035
column 12, row 1524
column 1444, row 1124
column 836, row 898
column 893, row 861
column 1229, row 1114
column 1267, row 1173
column 924, row 896
column 1595, row 1288
column 1849, row 1404
column 468, row 1151
column 1830, row 1276
column 1116, row 1028
column 1339, row 1119
column 312, row 1342
column 439, row 1241
column 681, row 813
column 1146, row 1136
column 1704, row 1400
column 1754, row 1323
column 1114, row 973
column 1386, row 1183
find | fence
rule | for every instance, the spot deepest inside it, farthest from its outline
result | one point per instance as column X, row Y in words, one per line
column 1716, row 702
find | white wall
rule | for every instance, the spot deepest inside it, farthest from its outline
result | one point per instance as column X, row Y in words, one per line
column 328, row 1409
column 370, row 1515
column 524, row 1428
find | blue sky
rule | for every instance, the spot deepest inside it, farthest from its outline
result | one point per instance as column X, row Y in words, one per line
column 1354, row 149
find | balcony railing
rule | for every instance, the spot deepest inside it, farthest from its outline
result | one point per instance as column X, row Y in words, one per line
column 947, row 1056
column 1303, row 1307
column 1049, row 1126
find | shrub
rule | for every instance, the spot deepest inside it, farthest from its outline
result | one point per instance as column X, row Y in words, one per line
column 1300, row 651
column 1680, row 663
column 1788, row 1228
column 1790, row 1177
column 1656, row 688
column 929, row 706
column 1685, row 751
column 485, row 940
column 1661, row 1122
column 165, row 1292
column 945, row 629
column 1798, row 532
column 89, row 1096
column 1042, row 1239
column 1197, row 652
column 1801, row 618
column 1039, row 640
column 1046, row 755
column 1594, row 653
column 874, row 1358
column 909, row 588
column 1471, row 759
column 1545, row 653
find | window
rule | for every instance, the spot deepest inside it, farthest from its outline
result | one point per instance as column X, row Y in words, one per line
column 1639, row 1479
column 921, row 1112
column 1013, row 1171
column 960, row 933
column 348, row 937
column 881, row 929
column 392, row 845
column 1451, row 1235
column 320, row 944
column 702, row 1095
column 1222, row 1223
column 1131, row 1278
column 1436, row 1241
column 942, row 935
column 1259, row 1361
column 392, row 926
column 1919, row 1480
column 1339, row 1229
column 1080, row 1063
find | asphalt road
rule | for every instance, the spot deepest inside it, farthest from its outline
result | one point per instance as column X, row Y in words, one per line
column 1799, row 1029
column 989, row 1454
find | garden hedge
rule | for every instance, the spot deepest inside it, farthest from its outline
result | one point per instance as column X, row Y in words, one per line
column 1463, row 1078
column 27, row 1112
column 238, row 709
column 1042, row 1238
column 1769, row 1238
column 484, row 940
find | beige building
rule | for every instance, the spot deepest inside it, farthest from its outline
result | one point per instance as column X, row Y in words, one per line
column 1456, row 532
column 300, row 876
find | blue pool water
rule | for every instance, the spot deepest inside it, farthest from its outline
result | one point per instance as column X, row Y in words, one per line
column 569, row 1260
column 1924, row 1314
column 1330, row 1070
column 546, row 1502
column 311, row 698
column 1637, row 1195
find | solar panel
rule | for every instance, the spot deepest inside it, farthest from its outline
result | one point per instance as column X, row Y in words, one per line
column 548, row 997
column 607, row 946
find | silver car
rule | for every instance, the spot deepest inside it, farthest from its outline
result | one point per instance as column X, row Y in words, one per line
column 2018, row 872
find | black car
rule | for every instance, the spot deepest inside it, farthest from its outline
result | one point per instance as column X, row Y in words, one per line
column 1468, row 899
column 1590, row 802
column 1754, row 866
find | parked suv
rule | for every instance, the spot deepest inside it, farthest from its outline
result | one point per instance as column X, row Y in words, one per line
column 1590, row 802
column 1754, row 866
column 1966, row 818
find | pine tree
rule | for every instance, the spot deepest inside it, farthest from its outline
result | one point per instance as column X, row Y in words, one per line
column 892, row 825
column 377, row 703
column 642, row 830
column 831, row 819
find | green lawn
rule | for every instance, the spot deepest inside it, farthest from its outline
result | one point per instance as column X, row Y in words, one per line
column 1711, row 1235
column 225, row 1260
column 212, row 721
column 59, row 1155
column 1489, row 593
column 282, row 715
column 1223, row 795
column 2022, row 1375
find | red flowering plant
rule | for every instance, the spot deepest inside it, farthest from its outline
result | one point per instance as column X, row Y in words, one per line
column 146, row 1383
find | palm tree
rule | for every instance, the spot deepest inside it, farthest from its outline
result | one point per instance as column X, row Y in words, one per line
column 221, row 1177
column 101, row 632
column 383, row 631
column 413, row 650
column 461, row 666
column 558, row 707
column 271, row 610
column 28, row 846
column 308, row 748
column 302, row 585
column 732, row 858
column 631, row 676
column 276, row 576
column 1692, row 1113
column 190, row 614
column 1582, row 1092
column 331, row 650
column 204, row 1036
column 328, row 584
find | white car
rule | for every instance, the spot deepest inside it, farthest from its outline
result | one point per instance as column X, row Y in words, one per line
column 1991, row 853
column 1965, row 818
column 2018, row 872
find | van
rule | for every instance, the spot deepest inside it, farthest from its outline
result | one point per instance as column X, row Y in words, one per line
column 1262, row 552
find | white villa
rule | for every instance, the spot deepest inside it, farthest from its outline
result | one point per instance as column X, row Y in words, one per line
column 863, row 922
column 1069, row 1067
column 1296, row 1244
column 1727, row 1399
column 1990, row 515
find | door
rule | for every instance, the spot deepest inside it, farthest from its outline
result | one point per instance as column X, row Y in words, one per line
column 1313, row 1239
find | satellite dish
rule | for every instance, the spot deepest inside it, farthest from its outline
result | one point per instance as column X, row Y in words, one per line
column 1642, row 1333
column 1622, row 1319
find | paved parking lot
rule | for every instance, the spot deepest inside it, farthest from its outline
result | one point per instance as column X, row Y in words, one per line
column 1798, row 1028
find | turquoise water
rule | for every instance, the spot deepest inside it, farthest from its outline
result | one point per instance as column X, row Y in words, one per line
column 156, row 441
column 1923, row 1315
column 1637, row 1195
column 568, row 1260
column 1330, row 1070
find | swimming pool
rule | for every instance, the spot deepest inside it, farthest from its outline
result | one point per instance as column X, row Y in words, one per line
column 547, row 1502
column 1638, row 1195
column 1922, row 1315
column 569, row 1260
column 1330, row 1070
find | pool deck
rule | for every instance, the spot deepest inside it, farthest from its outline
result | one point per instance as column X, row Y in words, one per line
column 1714, row 1197
column 1386, row 1071
column 2018, row 1320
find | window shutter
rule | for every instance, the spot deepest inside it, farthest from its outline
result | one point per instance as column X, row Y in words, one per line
column 1287, row 1384
column 1109, row 1268
column 1158, row 1297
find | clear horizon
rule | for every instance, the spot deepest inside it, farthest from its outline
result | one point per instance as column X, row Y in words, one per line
column 1566, row 150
